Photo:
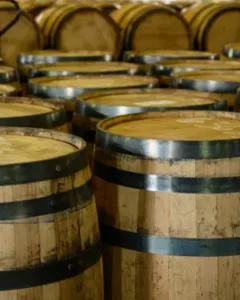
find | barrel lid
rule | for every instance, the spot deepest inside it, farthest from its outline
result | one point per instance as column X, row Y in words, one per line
column 155, row 56
column 232, row 50
column 70, row 86
column 71, row 68
column 53, row 56
column 208, row 81
column 170, row 66
column 6, row 90
column 126, row 101
column 172, row 135
column 29, row 154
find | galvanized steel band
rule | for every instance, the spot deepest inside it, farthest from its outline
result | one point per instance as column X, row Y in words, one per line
column 50, row 272
column 163, row 149
column 79, row 197
column 172, row 246
column 170, row 184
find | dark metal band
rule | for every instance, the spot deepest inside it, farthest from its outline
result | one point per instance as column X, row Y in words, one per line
column 170, row 245
column 162, row 149
column 211, row 86
column 152, row 59
column 170, row 184
column 26, row 59
column 51, row 272
column 70, row 93
column 231, row 52
column 102, row 111
column 78, row 197
column 87, row 134
column 46, row 120
column 8, row 76
column 47, row 169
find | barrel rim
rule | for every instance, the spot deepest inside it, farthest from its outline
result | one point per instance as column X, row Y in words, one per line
column 166, row 149
column 51, row 119
column 130, row 56
column 204, row 85
column 31, row 59
column 70, row 93
column 100, row 111
column 9, row 76
column 13, row 91
column 47, row 169
column 39, row 71
column 230, row 51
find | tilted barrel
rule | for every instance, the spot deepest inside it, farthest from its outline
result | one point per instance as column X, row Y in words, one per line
column 50, row 245
column 167, row 187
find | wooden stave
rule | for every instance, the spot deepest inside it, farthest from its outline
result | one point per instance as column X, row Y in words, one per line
column 27, row 219
column 113, row 254
column 55, row 119
column 149, row 59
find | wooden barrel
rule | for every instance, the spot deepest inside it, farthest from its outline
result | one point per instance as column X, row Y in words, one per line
column 107, row 7
column 23, row 36
column 164, row 69
column 84, row 68
column 92, row 107
column 237, row 106
column 167, row 190
column 65, row 29
column 152, row 57
column 8, row 90
column 216, row 25
column 50, row 239
column 232, row 51
column 32, row 112
column 152, row 27
column 224, row 84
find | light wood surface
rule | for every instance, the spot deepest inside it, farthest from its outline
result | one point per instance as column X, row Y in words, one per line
column 148, row 26
column 226, row 76
column 204, row 65
column 37, row 240
column 5, row 89
column 140, row 275
column 23, row 36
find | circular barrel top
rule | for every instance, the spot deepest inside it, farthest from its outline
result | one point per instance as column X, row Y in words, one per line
column 210, row 81
column 232, row 50
column 124, row 101
column 152, row 57
column 71, row 68
column 171, row 66
column 39, row 154
column 71, row 86
column 7, row 90
column 8, row 74
column 175, row 134
column 53, row 56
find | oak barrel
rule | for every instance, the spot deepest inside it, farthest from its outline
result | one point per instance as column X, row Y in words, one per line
column 152, row 57
column 215, row 25
column 65, row 28
column 223, row 83
column 232, row 51
column 32, row 112
column 84, row 68
column 92, row 107
column 152, row 27
column 24, row 35
column 50, row 245
column 8, row 90
column 164, row 69
column 167, row 186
